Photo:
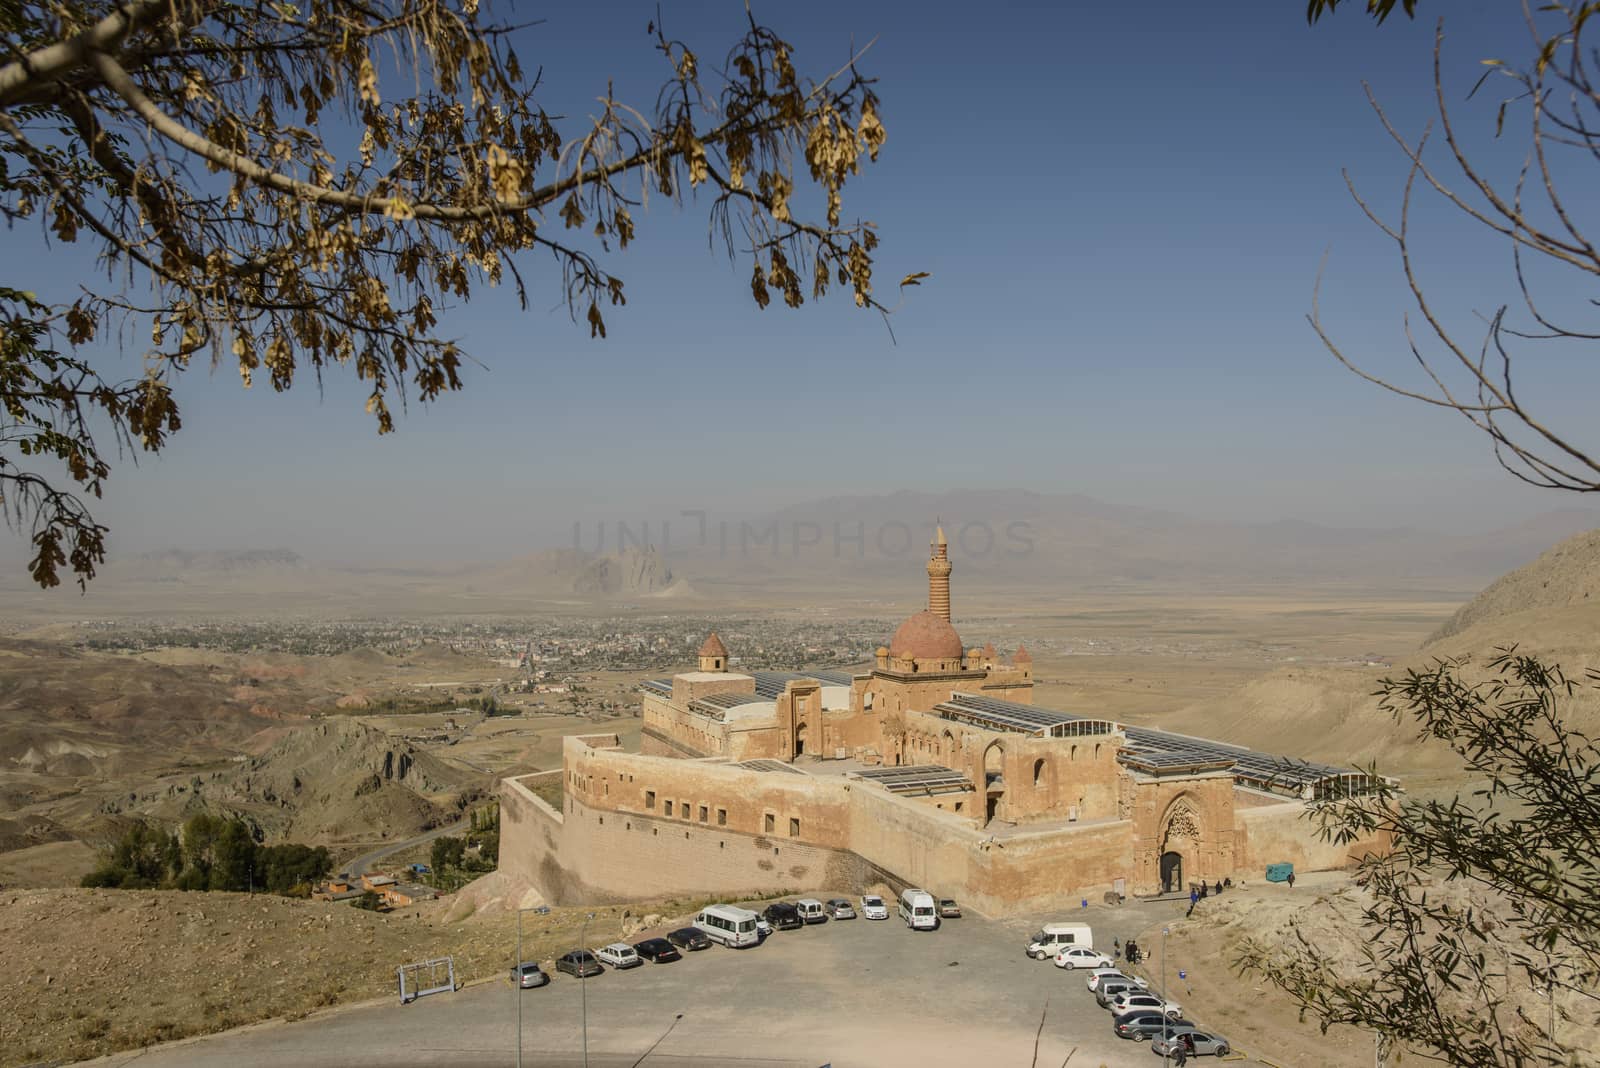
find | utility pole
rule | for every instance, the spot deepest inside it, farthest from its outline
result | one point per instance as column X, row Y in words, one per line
column 516, row 984
column 583, row 987
column 1166, row 1020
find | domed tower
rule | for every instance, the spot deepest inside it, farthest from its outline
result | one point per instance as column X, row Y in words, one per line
column 939, row 576
column 713, row 654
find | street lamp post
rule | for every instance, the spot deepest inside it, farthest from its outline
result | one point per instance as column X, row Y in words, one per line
column 1166, row 1020
column 516, row 984
column 583, row 987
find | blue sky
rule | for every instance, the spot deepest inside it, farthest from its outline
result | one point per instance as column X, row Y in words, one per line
column 1123, row 209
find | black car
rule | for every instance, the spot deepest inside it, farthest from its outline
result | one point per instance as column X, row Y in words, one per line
column 783, row 916
column 657, row 949
column 690, row 938
column 1145, row 1024
column 579, row 962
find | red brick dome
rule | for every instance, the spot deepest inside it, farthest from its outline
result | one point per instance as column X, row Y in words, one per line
column 926, row 635
column 713, row 646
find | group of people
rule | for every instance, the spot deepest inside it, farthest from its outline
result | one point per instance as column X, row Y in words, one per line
column 1198, row 894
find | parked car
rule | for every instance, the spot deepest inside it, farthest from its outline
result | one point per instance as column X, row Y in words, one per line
column 948, row 909
column 690, row 938
column 1139, row 1026
column 579, row 962
column 529, row 975
column 1110, row 988
column 619, row 955
column 873, row 908
column 840, row 909
column 811, row 910
column 658, row 950
column 1203, row 1042
column 1080, row 957
column 783, row 916
column 1112, row 975
column 763, row 928
column 1127, row 1001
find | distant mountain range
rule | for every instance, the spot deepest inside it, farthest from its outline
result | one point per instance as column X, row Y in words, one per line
column 864, row 545
column 1017, row 536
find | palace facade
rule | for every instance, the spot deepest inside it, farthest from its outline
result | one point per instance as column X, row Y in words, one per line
column 932, row 768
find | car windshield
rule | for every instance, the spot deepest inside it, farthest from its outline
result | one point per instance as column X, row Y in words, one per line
column 872, row 902
column 1040, row 936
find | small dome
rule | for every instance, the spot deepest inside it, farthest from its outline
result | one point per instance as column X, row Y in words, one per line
column 713, row 646
column 927, row 635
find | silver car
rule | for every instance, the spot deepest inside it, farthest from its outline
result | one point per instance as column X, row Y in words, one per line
column 529, row 975
column 1198, row 1043
column 840, row 909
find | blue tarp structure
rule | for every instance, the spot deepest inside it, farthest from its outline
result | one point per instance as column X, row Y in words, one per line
column 1279, row 873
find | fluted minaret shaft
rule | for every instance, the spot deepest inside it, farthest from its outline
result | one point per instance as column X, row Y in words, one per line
column 939, row 577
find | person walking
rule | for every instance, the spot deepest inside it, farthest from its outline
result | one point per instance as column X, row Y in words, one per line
column 1194, row 895
column 1116, row 949
column 1180, row 1051
column 1291, row 880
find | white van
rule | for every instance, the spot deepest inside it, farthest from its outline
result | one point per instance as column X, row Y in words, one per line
column 917, row 910
column 1052, row 938
column 811, row 910
column 731, row 925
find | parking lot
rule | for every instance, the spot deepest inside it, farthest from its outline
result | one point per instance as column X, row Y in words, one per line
column 846, row 993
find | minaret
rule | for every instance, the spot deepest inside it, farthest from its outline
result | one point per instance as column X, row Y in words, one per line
column 939, row 576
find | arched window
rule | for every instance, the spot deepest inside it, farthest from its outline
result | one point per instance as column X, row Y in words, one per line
column 1097, row 751
column 1074, row 755
column 994, row 764
column 1038, row 773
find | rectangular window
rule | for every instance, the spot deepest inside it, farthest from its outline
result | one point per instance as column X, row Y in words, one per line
column 649, row 799
column 704, row 813
column 771, row 823
column 666, row 806
column 794, row 827
column 683, row 807
column 722, row 817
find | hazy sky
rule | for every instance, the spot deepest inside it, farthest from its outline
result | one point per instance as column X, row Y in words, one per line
column 1122, row 207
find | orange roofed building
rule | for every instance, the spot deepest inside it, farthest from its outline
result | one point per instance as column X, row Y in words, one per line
column 932, row 768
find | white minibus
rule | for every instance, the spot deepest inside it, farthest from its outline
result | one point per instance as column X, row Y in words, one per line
column 732, row 926
column 917, row 910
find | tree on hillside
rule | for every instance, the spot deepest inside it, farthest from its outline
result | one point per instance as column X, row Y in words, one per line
column 295, row 187
column 1463, row 983
column 1491, row 982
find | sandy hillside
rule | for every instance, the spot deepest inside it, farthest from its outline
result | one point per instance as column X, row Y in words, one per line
column 1332, row 713
column 1564, row 577
column 1326, row 911
column 93, row 971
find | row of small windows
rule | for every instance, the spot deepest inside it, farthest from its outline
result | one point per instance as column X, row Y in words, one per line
column 703, row 812
column 684, row 810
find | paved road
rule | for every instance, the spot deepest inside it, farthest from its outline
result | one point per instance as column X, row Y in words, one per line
column 856, row 993
column 365, row 862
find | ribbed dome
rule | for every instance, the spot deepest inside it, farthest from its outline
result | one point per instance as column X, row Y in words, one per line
column 926, row 635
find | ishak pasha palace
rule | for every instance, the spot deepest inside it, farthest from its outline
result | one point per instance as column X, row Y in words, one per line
column 934, row 768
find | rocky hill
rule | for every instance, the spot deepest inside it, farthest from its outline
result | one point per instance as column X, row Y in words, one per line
column 1550, row 608
column 332, row 781
column 1564, row 577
